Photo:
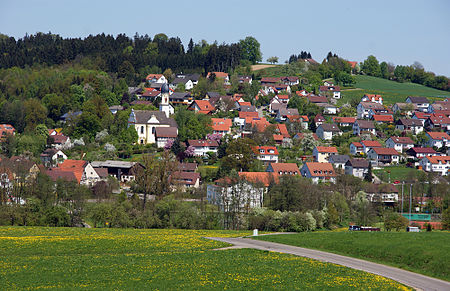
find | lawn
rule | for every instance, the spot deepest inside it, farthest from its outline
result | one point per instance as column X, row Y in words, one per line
column 391, row 91
column 426, row 252
column 400, row 173
column 106, row 259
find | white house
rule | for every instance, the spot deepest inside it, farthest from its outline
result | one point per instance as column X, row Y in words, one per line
column 52, row 156
column 363, row 126
column 338, row 161
column 266, row 154
column 363, row 108
column 383, row 156
column 422, row 103
column 327, row 131
column 156, row 78
column 372, row 98
column 438, row 139
column 357, row 167
column 409, row 124
column 436, row 164
column 164, row 134
column 202, row 147
column 323, row 172
column 356, row 148
column 369, row 144
column 334, row 90
column 400, row 144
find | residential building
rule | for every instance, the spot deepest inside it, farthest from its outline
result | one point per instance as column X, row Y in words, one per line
column 6, row 129
column 363, row 108
column 372, row 98
column 361, row 126
column 221, row 126
column 369, row 144
column 344, row 121
column 52, row 156
column 438, row 139
column 327, row 131
column 203, row 147
column 357, row 167
column 382, row 118
column 83, row 171
column 283, row 168
column 321, row 154
column 409, row 124
column 319, row 119
column 124, row 171
column 156, row 78
column 356, row 148
column 384, row 193
column 185, row 179
column 163, row 135
column 334, row 91
column 420, row 152
column 201, row 106
column 338, row 161
column 399, row 143
column 436, row 164
column 422, row 103
column 406, row 109
column 266, row 154
column 383, row 156
column 322, row 172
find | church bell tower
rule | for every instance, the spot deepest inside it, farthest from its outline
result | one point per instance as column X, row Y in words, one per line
column 164, row 106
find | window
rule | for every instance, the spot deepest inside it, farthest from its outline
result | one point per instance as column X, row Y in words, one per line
column 142, row 130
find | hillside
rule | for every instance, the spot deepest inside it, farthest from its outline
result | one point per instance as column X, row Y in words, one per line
column 391, row 91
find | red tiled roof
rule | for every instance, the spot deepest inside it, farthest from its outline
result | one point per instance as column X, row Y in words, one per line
column 438, row 119
column 75, row 166
column 245, row 104
column 402, row 140
column 153, row 76
column 221, row 124
column 357, row 144
column 385, row 151
column 321, row 169
column 202, row 143
column 352, row 64
column 278, row 137
column 383, row 118
column 218, row 75
column 259, row 177
column 248, row 114
column 344, row 119
column 438, row 135
column 283, row 96
column 371, row 143
column 283, row 130
column 266, row 150
column 423, row 150
column 321, row 149
column 285, row 167
column 203, row 105
column 437, row 159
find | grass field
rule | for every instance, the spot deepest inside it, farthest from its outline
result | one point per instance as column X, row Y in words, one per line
column 106, row 259
column 391, row 91
column 426, row 252
column 400, row 173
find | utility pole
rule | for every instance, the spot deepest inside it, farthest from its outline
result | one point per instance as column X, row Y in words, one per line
column 410, row 200
column 403, row 184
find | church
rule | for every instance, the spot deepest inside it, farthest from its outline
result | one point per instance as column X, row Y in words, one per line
column 146, row 121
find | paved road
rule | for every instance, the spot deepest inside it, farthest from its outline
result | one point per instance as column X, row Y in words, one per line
column 411, row 279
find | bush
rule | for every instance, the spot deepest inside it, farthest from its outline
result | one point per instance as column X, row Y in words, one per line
column 395, row 221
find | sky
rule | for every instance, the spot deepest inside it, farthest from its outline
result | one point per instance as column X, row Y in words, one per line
column 396, row 31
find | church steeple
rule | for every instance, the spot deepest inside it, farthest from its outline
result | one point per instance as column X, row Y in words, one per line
column 164, row 105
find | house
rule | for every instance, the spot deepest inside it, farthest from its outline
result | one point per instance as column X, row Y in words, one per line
column 282, row 130
column 399, row 143
column 283, row 168
column 283, row 87
column 240, row 120
column 378, row 118
column 438, row 121
column 282, row 98
column 145, row 122
column 383, row 156
column 405, row 108
column 60, row 142
column 344, row 121
column 369, row 144
column 266, row 154
column 422, row 116
column 379, row 111
column 83, row 171
column 188, row 167
column 52, row 156
column 301, row 93
column 323, row 172
column 327, row 131
column 338, row 161
column 356, row 148
column 123, row 171
column 436, row 164
column 220, row 75
column 283, row 113
column 246, row 193
column 409, row 124
column 328, row 83
column 363, row 109
column 186, row 179
column 156, row 78
column 384, row 193
column 319, row 119
column 419, row 152
column 70, row 116
column 6, row 129
column 438, row 139
column 317, row 99
column 188, row 80
column 334, row 90
column 361, row 126
column 321, row 154
column 291, row 81
column 372, row 98
column 302, row 135
column 203, row 147
column 269, row 81
column 245, row 79
column 184, row 98
column 165, row 134
column 328, row 108
column 221, row 125
column 422, row 103
column 201, row 106
column 357, row 167
column 56, row 174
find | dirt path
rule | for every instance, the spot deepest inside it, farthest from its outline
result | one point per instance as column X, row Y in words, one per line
column 260, row 67
column 411, row 279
